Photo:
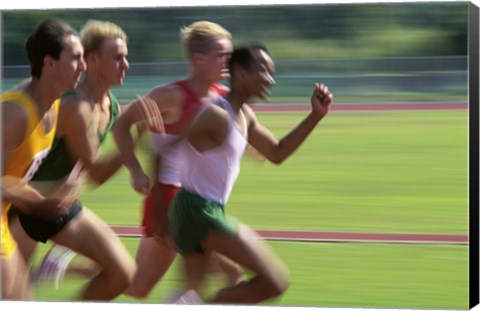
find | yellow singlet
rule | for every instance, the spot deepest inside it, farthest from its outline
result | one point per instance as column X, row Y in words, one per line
column 26, row 159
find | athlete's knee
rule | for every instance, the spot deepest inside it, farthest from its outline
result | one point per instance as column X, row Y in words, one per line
column 274, row 288
column 137, row 292
column 278, row 284
column 128, row 270
column 282, row 286
column 121, row 273
column 16, row 285
column 141, row 286
column 122, row 279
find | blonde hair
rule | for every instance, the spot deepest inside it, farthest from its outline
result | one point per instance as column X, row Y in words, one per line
column 197, row 37
column 95, row 32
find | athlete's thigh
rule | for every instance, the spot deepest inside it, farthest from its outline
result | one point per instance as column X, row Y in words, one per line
column 9, row 267
column 195, row 268
column 154, row 257
column 89, row 235
column 247, row 249
column 15, row 279
column 26, row 245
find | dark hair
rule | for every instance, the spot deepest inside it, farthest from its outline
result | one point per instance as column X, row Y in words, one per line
column 244, row 55
column 46, row 39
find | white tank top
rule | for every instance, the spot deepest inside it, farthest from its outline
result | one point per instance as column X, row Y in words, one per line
column 212, row 173
column 168, row 164
column 169, row 161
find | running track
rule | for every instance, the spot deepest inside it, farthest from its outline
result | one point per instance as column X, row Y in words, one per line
column 330, row 236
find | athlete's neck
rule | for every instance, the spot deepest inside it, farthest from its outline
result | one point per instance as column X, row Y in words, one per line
column 94, row 87
column 43, row 93
column 236, row 99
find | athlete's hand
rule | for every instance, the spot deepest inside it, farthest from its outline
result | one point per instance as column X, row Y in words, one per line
column 321, row 100
column 140, row 182
column 147, row 110
column 30, row 201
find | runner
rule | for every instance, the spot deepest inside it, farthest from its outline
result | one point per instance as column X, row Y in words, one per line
column 87, row 114
column 208, row 46
column 29, row 121
column 210, row 157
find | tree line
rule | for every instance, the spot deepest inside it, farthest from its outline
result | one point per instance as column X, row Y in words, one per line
column 308, row 31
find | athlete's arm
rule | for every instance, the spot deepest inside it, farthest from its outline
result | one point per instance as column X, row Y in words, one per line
column 80, row 138
column 152, row 110
column 209, row 130
column 105, row 167
column 277, row 151
column 32, row 202
column 14, row 129
column 21, row 194
column 143, row 110
column 108, row 165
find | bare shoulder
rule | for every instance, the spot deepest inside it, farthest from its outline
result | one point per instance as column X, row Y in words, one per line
column 249, row 114
column 215, row 111
column 72, row 104
column 212, row 116
column 216, row 118
column 167, row 94
column 74, row 111
column 13, row 113
column 14, row 124
column 248, row 111
column 210, row 128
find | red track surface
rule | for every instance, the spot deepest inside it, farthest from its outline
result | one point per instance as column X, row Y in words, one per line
column 324, row 236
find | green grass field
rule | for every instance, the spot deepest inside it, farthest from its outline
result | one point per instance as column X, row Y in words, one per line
column 375, row 171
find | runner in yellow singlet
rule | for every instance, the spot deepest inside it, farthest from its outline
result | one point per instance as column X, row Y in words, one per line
column 29, row 118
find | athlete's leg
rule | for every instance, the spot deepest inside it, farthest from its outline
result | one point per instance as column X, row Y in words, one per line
column 26, row 245
column 90, row 236
column 15, row 279
column 195, row 265
column 87, row 268
column 247, row 249
column 154, row 257
column 220, row 264
column 155, row 253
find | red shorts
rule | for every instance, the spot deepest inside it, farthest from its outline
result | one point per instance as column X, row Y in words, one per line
column 160, row 195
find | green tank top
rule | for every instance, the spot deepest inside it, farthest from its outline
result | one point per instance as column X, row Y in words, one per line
column 59, row 163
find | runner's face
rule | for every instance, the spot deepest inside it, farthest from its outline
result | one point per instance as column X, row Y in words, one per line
column 112, row 62
column 260, row 76
column 70, row 65
column 216, row 60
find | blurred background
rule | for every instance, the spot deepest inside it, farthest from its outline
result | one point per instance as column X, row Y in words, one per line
column 370, row 52
column 360, row 171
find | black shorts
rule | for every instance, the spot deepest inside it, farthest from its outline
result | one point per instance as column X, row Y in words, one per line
column 41, row 230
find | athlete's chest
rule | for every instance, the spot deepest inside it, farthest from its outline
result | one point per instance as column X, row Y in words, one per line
column 100, row 118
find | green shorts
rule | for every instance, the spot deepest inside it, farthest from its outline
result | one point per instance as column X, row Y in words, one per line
column 192, row 217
